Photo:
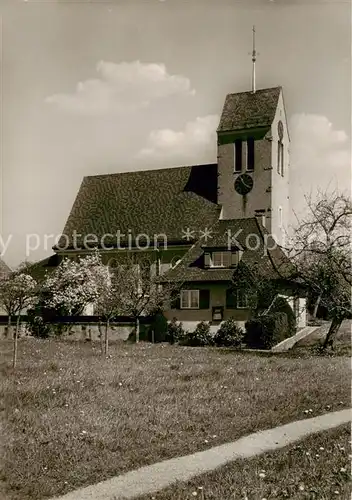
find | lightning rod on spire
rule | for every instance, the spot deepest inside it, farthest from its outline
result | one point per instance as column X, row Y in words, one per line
column 254, row 58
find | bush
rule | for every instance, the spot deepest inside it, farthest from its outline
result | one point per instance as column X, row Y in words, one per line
column 145, row 333
column 38, row 327
column 201, row 336
column 160, row 328
column 175, row 331
column 281, row 305
column 229, row 334
column 266, row 331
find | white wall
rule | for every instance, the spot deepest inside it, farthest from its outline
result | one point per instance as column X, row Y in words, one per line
column 280, row 185
column 302, row 313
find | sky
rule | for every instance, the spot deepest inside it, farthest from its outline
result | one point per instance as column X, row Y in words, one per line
column 92, row 87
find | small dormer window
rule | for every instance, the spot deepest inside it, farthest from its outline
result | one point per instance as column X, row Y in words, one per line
column 217, row 259
column 225, row 259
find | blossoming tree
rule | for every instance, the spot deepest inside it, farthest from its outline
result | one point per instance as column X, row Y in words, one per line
column 74, row 285
column 321, row 252
column 17, row 293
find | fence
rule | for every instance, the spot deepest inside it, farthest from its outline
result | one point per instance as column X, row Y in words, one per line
column 83, row 327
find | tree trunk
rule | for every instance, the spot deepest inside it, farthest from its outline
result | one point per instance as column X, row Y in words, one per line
column 316, row 306
column 334, row 328
column 106, row 338
column 9, row 327
column 137, row 330
column 101, row 337
column 15, row 337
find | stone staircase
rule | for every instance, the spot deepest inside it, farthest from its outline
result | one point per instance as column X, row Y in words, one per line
column 287, row 344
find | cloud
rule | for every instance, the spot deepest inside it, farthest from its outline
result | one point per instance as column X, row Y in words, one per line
column 196, row 140
column 320, row 158
column 122, row 87
column 316, row 145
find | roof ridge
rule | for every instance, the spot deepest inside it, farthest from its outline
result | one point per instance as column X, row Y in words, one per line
column 277, row 87
column 94, row 176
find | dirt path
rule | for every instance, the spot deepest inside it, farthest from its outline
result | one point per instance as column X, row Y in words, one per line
column 158, row 476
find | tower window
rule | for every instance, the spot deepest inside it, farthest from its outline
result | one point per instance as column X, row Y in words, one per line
column 238, row 156
column 250, row 154
column 280, row 158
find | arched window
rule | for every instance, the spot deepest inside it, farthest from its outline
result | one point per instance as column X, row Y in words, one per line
column 280, row 158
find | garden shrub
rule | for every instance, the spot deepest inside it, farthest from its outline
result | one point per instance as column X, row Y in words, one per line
column 229, row 334
column 266, row 331
column 38, row 327
column 175, row 331
column 145, row 333
column 201, row 336
column 281, row 305
column 160, row 328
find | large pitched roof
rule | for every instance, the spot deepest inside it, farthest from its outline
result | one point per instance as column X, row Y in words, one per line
column 245, row 110
column 245, row 234
column 148, row 202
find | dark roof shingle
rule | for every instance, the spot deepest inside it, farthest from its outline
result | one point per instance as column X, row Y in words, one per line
column 148, row 202
column 246, row 110
column 246, row 234
column 39, row 270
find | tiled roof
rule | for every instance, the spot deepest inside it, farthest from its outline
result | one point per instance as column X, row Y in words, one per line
column 40, row 269
column 246, row 234
column 148, row 202
column 246, row 110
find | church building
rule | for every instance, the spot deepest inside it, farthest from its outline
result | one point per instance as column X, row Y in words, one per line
column 196, row 223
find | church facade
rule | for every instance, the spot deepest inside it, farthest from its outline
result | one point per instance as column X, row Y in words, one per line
column 196, row 223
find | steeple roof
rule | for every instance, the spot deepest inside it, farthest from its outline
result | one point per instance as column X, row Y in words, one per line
column 246, row 110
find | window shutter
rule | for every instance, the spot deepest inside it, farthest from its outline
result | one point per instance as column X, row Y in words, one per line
column 204, row 299
column 230, row 299
column 234, row 259
column 207, row 260
column 175, row 300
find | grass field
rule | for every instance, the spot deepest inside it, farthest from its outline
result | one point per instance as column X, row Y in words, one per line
column 343, row 337
column 317, row 468
column 71, row 417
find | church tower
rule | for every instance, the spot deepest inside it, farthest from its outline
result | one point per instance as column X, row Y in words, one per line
column 253, row 158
